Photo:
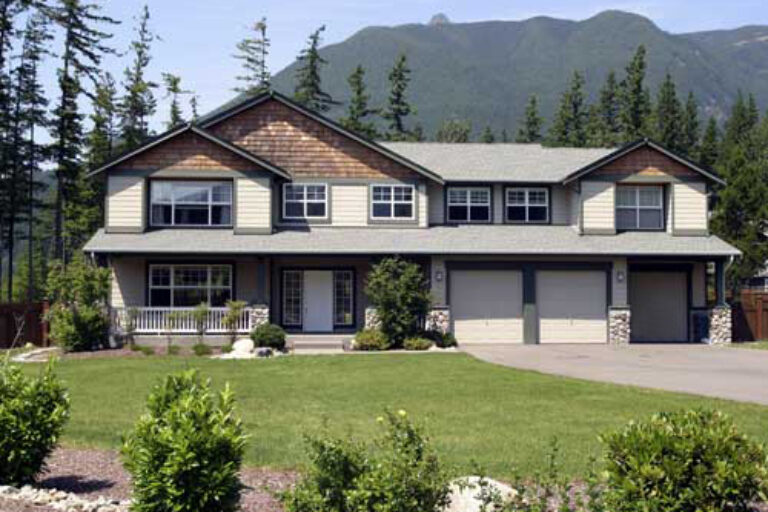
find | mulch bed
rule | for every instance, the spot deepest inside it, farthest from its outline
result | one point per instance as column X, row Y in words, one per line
column 94, row 473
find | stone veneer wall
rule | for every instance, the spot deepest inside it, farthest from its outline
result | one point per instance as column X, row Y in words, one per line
column 619, row 328
column 720, row 325
column 259, row 315
column 372, row 320
column 439, row 319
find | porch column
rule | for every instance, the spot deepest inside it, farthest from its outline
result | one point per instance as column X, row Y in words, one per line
column 530, row 310
column 619, row 312
column 720, row 321
column 720, row 283
column 439, row 317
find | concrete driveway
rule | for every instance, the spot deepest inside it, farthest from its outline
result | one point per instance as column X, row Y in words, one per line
column 722, row 372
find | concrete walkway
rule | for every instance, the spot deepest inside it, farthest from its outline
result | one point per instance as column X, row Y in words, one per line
column 722, row 372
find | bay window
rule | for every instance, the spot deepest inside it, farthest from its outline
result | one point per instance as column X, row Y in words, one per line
column 190, row 203
column 305, row 201
column 469, row 204
column 527, row 205
column 189, row 285
column 639, row 207
column 392, row 202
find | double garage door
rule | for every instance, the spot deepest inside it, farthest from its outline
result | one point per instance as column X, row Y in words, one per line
column 487, row 306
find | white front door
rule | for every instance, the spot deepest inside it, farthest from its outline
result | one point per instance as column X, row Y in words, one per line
column 318, row 301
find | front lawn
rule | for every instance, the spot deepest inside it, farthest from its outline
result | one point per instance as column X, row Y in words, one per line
column 757, row 345
column 499, row 417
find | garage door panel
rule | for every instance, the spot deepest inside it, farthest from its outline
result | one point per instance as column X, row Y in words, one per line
column 572, row 306
column 659, row 305
column 487, row 306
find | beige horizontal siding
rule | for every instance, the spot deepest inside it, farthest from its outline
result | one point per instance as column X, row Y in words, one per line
column 690, row 207
column 574, row 203
column 128, row 282
column 498, row 204
column 436, row 205
column 423, row 203
column 560, row 201
column 349, row 205
column 598, row 207
column 254, row 203
column 125, row 200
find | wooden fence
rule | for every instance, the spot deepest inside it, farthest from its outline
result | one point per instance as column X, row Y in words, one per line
column 25, row 317
column 750, row 316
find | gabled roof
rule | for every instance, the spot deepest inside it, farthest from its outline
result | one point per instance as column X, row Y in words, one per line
column 191, row 127
column 632, row 146
column 236, row 107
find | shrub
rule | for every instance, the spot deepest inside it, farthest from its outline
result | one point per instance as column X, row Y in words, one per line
column 78, row 327
column 417, row 343
column 399, row 472
column 400, row 293
column 185, row 452
column 232, row 317
column 33, row 411
column 441, row 339
column 173, row 350
column 371, row 340
column 686, row 461
column 201, row 349
column 200, row 318
column 147, row 350
column 269, row 335
column 226, row 349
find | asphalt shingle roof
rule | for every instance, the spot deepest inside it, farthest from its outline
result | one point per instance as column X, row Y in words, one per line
column 462, row 239
column 498, row 162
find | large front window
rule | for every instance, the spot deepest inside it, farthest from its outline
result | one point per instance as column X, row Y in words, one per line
column 469, row 204
column 639, row 207
column 181, row 286
column 527, row 204
column 392, row 202
column 305, row 201
column 191, row 203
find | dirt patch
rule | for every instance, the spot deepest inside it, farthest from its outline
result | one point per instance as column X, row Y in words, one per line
column 94, row 473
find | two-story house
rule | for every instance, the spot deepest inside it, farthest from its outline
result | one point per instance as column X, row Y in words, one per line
column 270, row 203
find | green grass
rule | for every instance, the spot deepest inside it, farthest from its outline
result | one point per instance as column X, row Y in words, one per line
column 474, row 411
column 755, row 345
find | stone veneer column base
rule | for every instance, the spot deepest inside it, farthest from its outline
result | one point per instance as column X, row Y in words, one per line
column 619, row 327
column 259, row 315
column 720, row 325
column 372, row 320
column 439, row 319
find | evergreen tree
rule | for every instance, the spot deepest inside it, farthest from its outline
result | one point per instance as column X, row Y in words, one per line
column 691, row 128
column 358, row 109
column 504, row 135
column 668, row 116
column 608, row 114
column 532, row 124
column 709, row 150
column 253, row 51
column 569, row 127
column 138, row 104
column 309, row 91
column 597, row 134
column 487, row 136
column 454, row 130
column 398, row 108
column 193, row 107
column 173, row 90
column 83, row 47
column 634, row 99
column 743, row 119
column 104, row 111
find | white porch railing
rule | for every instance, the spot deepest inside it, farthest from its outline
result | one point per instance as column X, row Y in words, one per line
column 151, row 320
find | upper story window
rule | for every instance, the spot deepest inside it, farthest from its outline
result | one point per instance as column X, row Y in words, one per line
column 191, row 203
column 392, row 201
column 527, row 204
column 469, row 204
column 639, row 207
column 189, row 285
column 305, row 201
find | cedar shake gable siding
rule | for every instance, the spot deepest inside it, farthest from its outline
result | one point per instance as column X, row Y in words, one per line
column 645, row 161
column 190, row 152
column 303, row 146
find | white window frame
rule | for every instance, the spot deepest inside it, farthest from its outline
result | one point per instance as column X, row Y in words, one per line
column 210, row 203
column 527, row 204
column 637, row 208
column 173, row 286
column 392, row 202
column 305, row 201
column 469, row 204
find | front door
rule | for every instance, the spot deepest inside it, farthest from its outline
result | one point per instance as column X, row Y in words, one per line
column 318, row 300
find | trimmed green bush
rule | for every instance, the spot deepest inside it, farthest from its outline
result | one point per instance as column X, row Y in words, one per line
column 441, row 339
column 685, row 461
column 226, row 349
column 185, row 452
column 398, row 472
column 371, row 340
column 269, row 335
column 201, row 349
column 78, row 328
column 417, row 344
column 33, row 411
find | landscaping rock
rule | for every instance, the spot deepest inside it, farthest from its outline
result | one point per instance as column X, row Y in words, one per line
column 264, row 352
column 60, row 500
column 464, row 493
column 243, row 346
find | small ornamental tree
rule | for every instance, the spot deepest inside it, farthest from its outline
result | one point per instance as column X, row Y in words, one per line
column 231, row 318
column 399, row 291
column 185, row 452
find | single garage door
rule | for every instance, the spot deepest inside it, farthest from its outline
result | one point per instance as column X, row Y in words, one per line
column 659, row 304
column 572, row 306
column 487, row 306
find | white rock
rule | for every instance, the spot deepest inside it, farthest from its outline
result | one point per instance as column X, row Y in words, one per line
column 243, row 346
column 465, row 491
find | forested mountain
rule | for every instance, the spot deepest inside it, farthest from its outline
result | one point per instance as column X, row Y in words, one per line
column 486, row 71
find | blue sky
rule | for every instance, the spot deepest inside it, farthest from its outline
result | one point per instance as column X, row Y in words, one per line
column 199, row 36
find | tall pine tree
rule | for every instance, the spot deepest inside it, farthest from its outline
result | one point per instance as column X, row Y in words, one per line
column 634, row 99
column 253, row 51
column 358, row 109
column 309, row 91
column 532, row 123
column 104, row 130
column 709, row 150
column 668, row 116
column 398, row 108
column 691, row 127
column 608, row 114
column 454, row 130
column 487, row 136
column 569, row 127
column 173, row 90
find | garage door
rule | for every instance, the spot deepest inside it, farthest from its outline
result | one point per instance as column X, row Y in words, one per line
column 487, row 306
column 572, row 306
column 659, row 303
